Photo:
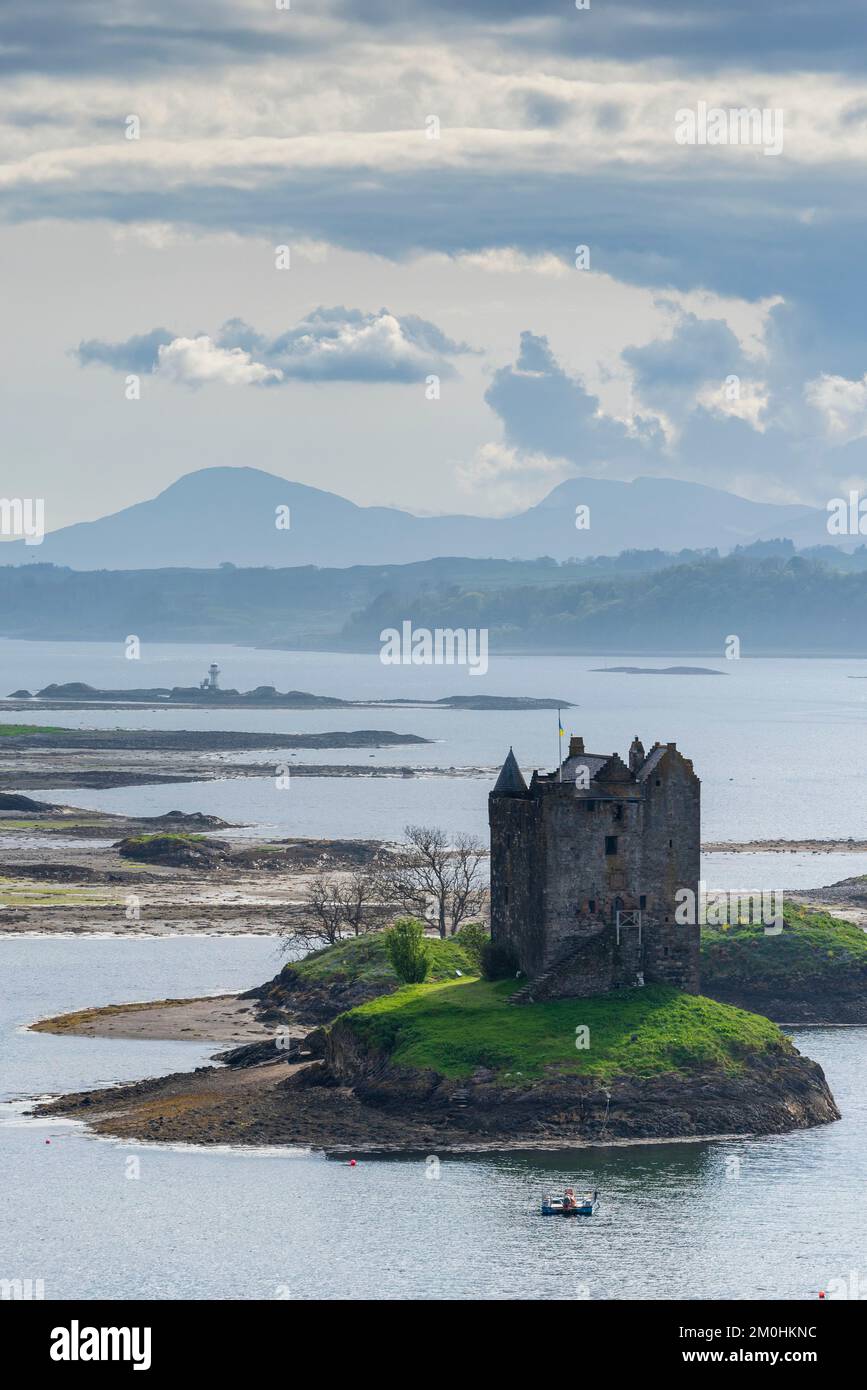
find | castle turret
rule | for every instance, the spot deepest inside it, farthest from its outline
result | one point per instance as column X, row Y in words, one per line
column 511, row 780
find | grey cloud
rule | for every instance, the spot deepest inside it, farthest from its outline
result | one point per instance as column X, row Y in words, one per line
column 546, row 411
column 704, row 232
column 668, row 373
column 136, row 354
column 778, row 35
column 330, row 344
column 544, row 111
column 95, row 37
column 610, row 116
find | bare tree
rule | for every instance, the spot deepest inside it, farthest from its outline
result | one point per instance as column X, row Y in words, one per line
column 322, row 919
column 361, row 900
column 429, row 876
column 468, row 889
column 434, row 878
column 336, row 906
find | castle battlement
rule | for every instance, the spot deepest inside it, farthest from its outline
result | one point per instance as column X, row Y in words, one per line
column 585, row 865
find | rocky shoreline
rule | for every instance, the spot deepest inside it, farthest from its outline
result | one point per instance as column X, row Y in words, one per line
column 354, row 1100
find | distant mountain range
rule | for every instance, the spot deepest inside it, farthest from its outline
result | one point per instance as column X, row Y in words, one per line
column 219, row 515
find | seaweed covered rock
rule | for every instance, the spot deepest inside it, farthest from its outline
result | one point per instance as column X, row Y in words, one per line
column 175, row 851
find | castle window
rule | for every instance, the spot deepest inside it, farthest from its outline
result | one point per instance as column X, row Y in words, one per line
column 610, row 844
column 642, row 902
column 591, row 805
column 671, row 844
column 658, row 783
column 617, row 812
column 591, row 906
column 506, row 894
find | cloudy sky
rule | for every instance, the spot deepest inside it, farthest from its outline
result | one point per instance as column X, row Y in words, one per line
column 341, row 242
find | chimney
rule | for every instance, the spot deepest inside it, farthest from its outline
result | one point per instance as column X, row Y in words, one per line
column 636, row 754
column 576, row 747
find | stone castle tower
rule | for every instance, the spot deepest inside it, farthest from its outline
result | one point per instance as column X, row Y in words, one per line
column 585, row 865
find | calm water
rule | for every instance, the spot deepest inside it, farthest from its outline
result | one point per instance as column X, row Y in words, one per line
column 197, row 1224
column 780, row 745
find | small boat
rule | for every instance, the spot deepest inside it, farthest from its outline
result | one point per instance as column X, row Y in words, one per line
column 582, row 1204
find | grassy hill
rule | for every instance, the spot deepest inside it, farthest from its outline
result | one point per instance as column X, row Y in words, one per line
column 327, row 982
column 458, row 1026
column 815, row 970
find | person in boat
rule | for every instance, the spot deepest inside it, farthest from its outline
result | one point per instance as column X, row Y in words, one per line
column 569, row 1203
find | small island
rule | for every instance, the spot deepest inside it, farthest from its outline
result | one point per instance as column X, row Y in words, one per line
column 66, row 757
column 211, row 695
column 573, row 1021
column 659, row 670
column 450, row 1064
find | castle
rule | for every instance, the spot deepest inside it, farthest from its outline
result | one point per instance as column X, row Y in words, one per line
column 585, row 865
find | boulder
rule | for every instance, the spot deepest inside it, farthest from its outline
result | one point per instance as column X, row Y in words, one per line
column 175, row 851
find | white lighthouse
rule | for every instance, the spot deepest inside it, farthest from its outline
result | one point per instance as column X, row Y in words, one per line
column 211, row 681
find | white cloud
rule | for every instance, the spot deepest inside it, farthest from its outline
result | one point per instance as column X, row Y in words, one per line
column 508, row 478
column 198, row 361
column 841, row 403
column 377, row 346
column 738, row 399
column 508, row 260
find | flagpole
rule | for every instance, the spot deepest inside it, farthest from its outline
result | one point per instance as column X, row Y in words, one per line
column 560, row 744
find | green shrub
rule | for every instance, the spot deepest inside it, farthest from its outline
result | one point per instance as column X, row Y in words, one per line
column 408, row 951
column 473, row 937
column 498, row 961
